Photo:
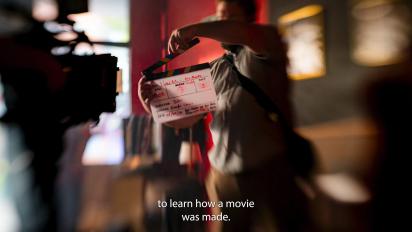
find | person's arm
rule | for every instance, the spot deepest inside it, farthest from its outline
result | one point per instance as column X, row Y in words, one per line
column 259, row 38
column 145, row 96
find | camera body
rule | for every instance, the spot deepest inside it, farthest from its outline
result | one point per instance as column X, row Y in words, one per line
column 81, row 87
column 90, row 87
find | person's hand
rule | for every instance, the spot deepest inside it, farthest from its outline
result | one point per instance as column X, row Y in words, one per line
column 180, row 38
column 145, row 93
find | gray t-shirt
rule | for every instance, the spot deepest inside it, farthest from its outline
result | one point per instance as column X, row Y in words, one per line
column 244, row 138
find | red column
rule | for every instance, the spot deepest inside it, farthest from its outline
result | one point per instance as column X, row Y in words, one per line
column 145, row 40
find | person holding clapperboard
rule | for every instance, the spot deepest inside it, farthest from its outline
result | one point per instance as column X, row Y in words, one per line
column 249, row 155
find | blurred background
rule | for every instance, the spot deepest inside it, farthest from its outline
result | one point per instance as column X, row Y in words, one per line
column 350, row 68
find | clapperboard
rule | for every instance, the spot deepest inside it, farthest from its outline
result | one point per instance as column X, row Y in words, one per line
column 181, row 93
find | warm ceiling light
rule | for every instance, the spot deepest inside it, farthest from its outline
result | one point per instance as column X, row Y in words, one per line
column 302, row 13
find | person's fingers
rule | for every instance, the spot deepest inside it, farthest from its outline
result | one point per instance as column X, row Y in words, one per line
column 142, row 80
column 173, row 46
column 183, row 42
column 144, row 89
column 169, row 45
column 177, row 42
column 173, row 42
column 145, row 83
column 145, row 93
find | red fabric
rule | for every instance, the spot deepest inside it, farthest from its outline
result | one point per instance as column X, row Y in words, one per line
column 209, row 144
column 206, row 162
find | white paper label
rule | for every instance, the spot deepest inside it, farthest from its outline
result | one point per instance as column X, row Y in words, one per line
column 183, row 95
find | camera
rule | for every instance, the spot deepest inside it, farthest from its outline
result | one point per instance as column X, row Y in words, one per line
column 90, row 87
column 86, row 83
column 42, row 94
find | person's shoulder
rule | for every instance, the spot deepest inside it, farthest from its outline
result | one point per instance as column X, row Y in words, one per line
column 270, row 30
column 218, row 65
column 216, row 61
column 275, row 44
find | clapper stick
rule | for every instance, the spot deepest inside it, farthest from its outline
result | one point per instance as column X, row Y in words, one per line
column 148, row 71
